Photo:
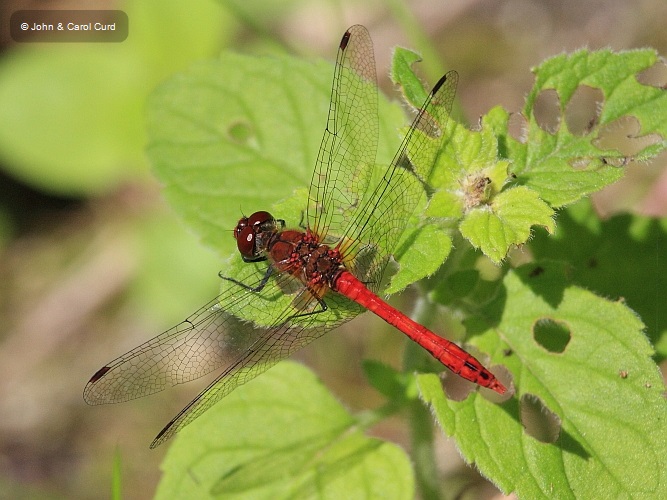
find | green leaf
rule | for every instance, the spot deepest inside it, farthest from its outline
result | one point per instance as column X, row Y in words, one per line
column 81, row 130
column 506, row 221
column 220, row 150
column 421, row 254
column 471, row 180
column 403, row 75
column 423, row 249
column 603, row 388
column 282, row 436
column 468, row 281
column 225, row 142
column 390, row 382
column 467, row 152
column 558, row 167
column 117, row 476
column 563, row 167
column 594, row 248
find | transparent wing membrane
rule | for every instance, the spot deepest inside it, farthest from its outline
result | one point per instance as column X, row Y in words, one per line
column 349, row 144
column 383, row 216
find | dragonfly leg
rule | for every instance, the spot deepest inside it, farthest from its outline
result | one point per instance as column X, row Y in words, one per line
column 320, row 301
column 258, row 288
column 249, row 260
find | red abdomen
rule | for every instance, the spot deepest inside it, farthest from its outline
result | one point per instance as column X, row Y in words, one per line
column 448, row 353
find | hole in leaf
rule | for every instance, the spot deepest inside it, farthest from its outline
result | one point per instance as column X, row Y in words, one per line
column 580, row 163
column 539, row 422
column 583, row 111
column 517, row 127
column 616, row 162
column 552, row 335
column 655, row 76
column 623, row 136
column 547, row 110
column 457, row 388
column 242, row 133
column 505, row 377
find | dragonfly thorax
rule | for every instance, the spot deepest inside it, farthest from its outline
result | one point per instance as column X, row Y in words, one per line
column 301, row 254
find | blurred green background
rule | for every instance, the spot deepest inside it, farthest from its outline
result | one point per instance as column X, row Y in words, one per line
column 94, row 262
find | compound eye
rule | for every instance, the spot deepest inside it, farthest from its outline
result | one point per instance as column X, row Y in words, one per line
column 242, row 223
column 245, row 241
column 259, row 218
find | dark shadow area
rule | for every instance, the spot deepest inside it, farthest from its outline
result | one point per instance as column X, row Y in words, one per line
column 29, row 209
column 623, row 257
column 545, row 279
column 565, row 440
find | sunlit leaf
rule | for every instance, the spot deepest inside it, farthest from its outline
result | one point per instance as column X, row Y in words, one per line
column 506, row 221
column 283, row 436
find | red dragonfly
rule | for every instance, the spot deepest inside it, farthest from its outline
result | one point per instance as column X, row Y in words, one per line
column 310, row 280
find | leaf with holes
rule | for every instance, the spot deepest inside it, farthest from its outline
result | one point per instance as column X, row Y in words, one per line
column 587, row 361
column 562, row 166
column 594, row 249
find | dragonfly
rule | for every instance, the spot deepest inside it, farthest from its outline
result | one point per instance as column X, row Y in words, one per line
column 303, row 282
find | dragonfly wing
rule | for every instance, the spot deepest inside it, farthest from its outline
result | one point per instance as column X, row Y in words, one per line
column 231, row 331
column 383, row 216
column 216, row 335
column 268, row 347
column 349, row 144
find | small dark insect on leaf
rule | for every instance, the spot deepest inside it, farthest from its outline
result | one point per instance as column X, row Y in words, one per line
column 536, row 272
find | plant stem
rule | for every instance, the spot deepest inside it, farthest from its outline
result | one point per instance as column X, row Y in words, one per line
column 421, row 421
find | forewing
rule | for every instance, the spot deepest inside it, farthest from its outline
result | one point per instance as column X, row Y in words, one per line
column 209, row 338
column 384, row 214
column 349, row 145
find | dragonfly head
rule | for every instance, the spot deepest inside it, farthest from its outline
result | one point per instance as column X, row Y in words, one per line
column 252, row 234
